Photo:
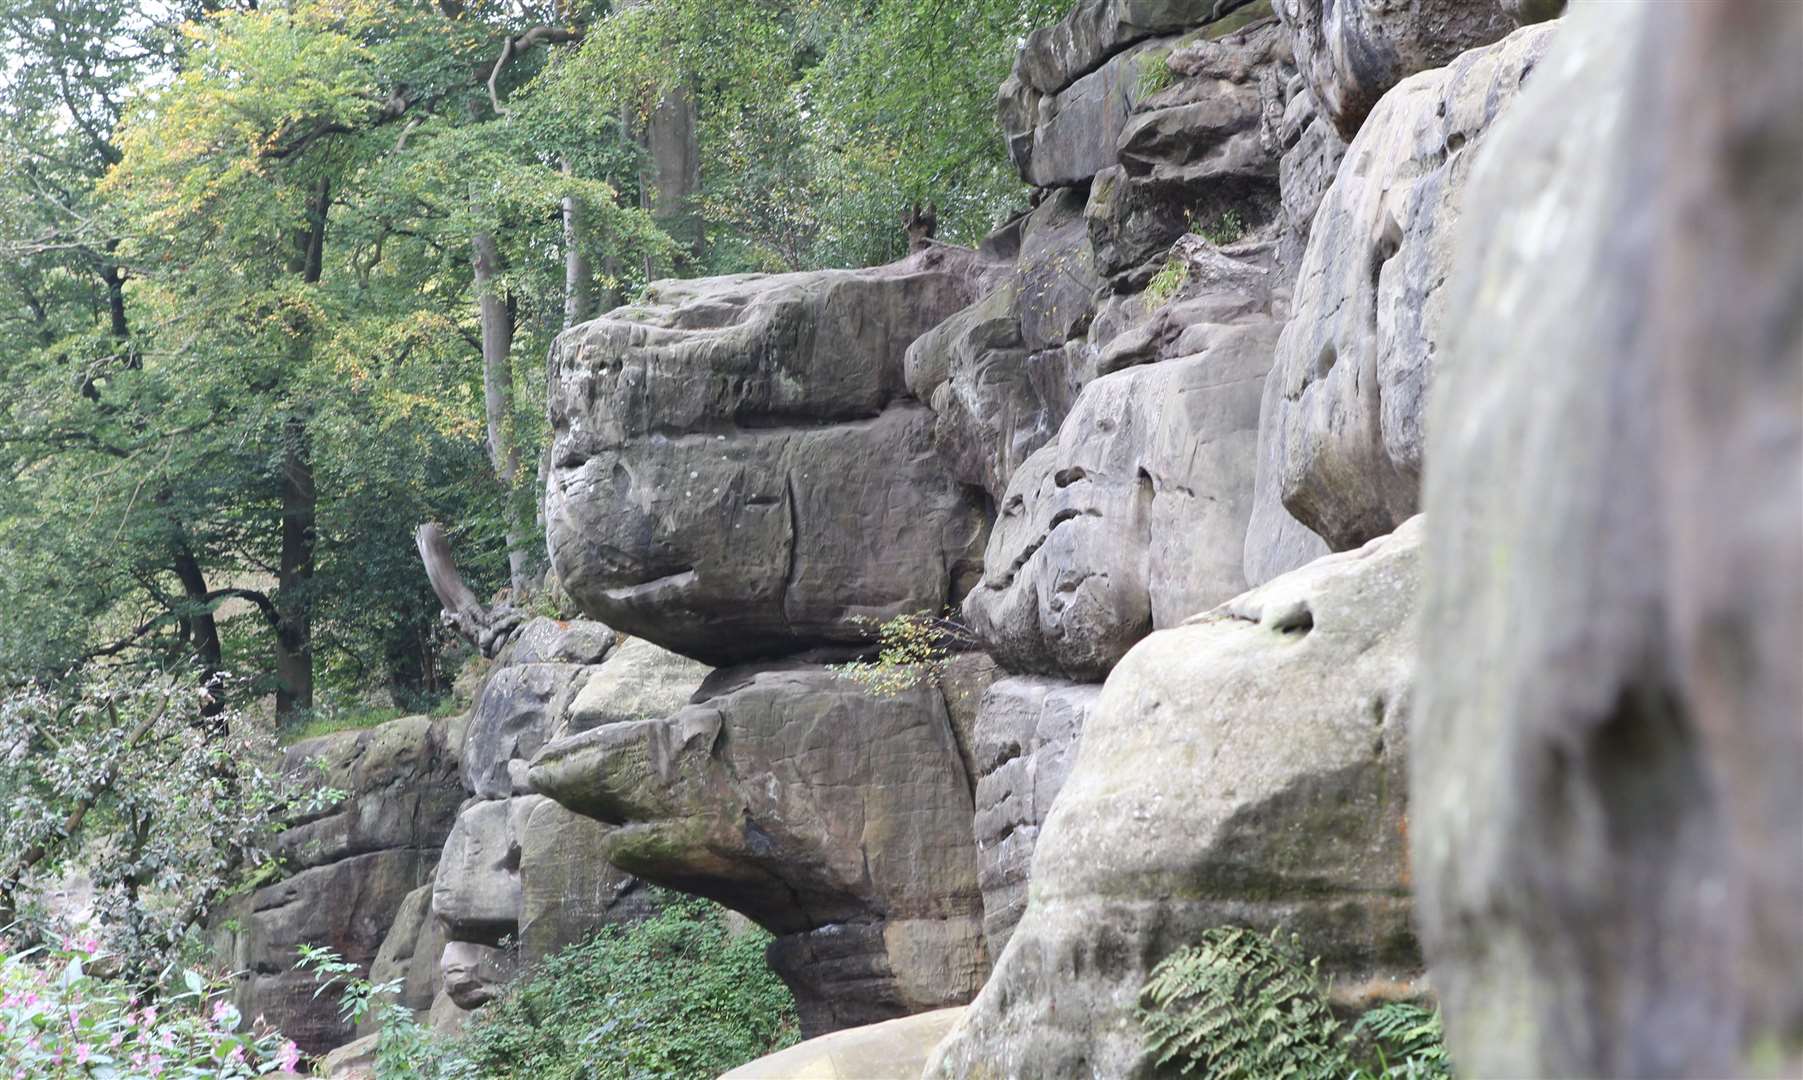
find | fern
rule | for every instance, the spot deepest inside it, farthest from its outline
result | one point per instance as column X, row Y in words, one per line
column 1241, row 1006
column 1408, row 1041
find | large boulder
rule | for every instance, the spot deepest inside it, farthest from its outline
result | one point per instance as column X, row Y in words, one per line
column 409, row 955
column 1352, row 52
column 637, row 681
column 892, row 1050
column 568, row 889
column 1248, row 768
column 1135, row 518
column 1606, row 796
column 838, row 818
column 1025, row 742
column 975, row 368
column 356, row 866
column 517, row 712
column 1199, row 152
column 736, row 471
column 1357, row 357
column 477, row 888
column 348, row 906
column 399, row 782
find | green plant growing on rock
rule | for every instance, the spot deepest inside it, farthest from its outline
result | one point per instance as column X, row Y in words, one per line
column 1154, row 73
column 1222, row 229
column 912, row 651
column 1168, row 281
column 1239, row 1005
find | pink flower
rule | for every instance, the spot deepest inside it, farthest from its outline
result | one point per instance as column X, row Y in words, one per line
column 155, row 1064
column 289, row 1057
column 220, row 1009
column 82, row 1053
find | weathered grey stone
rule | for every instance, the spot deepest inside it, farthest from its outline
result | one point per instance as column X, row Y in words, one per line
column 1134, row 519
column 515, row 714
column 736, row 471
column 1057, row 275
column 358, row 861
column 1309, row 165
column 556, row 641
column 409, row 954
column 1076, row 129
column 1353, row 51
column 1356, row 359
column 891, row 1050
column 349, row 904
column 354, row 1060
column 1276, row 542
column 1605, row 787
column 836, row 818
column 477, row 889
column 638, row 681
column 399, row 779
column 1056, row 56
column 972, row 369
column 474, row 974
column 1025, row 744
column 1246, row 767
column 568, row 889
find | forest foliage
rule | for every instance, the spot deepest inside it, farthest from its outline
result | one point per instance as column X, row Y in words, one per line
column 277, row 284
column 244, row 254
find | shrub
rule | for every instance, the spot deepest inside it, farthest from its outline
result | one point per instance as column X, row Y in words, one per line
column 1242, row 1006
column 912, row 651
column 1168, row 280
column 675, row 995
column 58, row 1018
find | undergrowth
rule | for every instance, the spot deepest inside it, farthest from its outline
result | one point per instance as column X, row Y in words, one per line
column 1242, row 1006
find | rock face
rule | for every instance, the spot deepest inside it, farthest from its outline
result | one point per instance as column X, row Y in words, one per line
column 1605, row 788
column 1246, row 767
column 837, row 818
column 1135, row 518
column 520, row 877
column 358, row 868
column 736, row 470
column 1025, row 743
column 1357, row 357
column 1353, row 51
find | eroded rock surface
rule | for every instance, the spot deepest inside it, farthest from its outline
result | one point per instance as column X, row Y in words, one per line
column 837, row 818
column 1025, row 743
column 1352, row 52
column 1611, row 724
column 1246, row 767
column 1357, row 356
column 1136, row 517
column 356, row 864
column 737, row 470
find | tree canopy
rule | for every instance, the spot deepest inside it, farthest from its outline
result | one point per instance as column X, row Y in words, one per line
column 277, row 280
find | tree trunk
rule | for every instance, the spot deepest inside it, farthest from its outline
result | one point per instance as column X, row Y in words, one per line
column 300, row 501
column 204, row 629
column 672, row 175
column 578, row 281
column 496, row 314
column 294, row 625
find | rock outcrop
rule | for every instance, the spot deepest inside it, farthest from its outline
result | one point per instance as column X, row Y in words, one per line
column 357, row 867
column 1025, row 742
column 737, row 471
column 1357, row 357
column 1353, row 51
column 1136, row 517
column 1611, row 726
column 521, row 877
column 1247, row 767
column 837, row 818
